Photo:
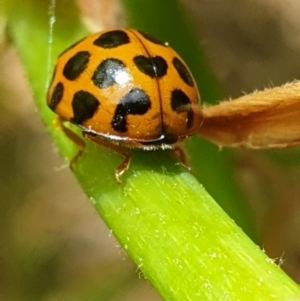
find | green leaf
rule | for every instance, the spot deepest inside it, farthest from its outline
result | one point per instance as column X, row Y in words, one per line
column 183, row 242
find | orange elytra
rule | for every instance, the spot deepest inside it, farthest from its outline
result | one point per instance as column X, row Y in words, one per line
column 125, row 89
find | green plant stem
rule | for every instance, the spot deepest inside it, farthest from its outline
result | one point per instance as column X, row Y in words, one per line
column 181, row 240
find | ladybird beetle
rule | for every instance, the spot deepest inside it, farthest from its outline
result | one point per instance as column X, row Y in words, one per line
column 126, row 89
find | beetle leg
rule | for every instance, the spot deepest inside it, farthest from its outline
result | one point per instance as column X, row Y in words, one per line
column 126, row 154
column 181, row 156
column 59, row 123
column 122, row 167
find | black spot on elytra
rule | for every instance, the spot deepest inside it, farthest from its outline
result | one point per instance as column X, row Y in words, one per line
column 152, row 39
column 76, row 65
column 136, row 102
column 180, row 102
column 153, row 67
column 183, row 72
column 84, row 106
column 56, row 96
column 107, row 71
column 112, row 39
